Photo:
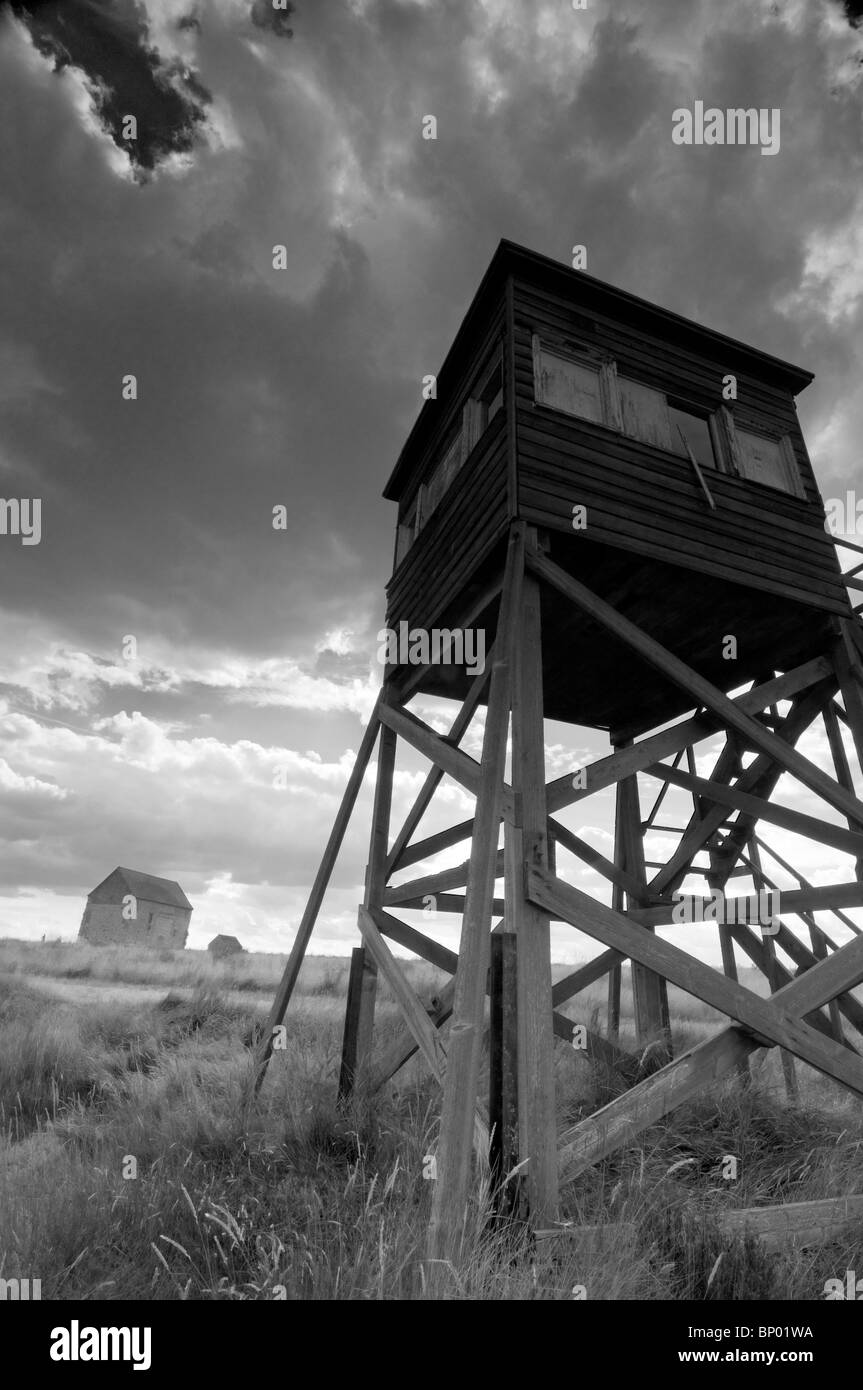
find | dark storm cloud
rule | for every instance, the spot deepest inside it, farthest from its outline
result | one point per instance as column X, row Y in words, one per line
column 854, row 11
column 107, row 40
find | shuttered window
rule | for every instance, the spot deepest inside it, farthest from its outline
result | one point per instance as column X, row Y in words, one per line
column 695, row 431
column 768, row 461
column 644, row 414
column 568, row 386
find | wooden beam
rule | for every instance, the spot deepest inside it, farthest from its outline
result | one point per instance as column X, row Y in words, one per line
column 313, row 906
column 761, row 1017
column 403, row 1045
column 761, row 776
column 619, row 1122
column 402, row 1048
column 585, row 975
column 586, row 852
column 773, row 977
column 450, row 1197
column 776, row 1227
column 849, row 671
column 457, row 730
column 649, row 990
column 427, row 1038
column 444, row 902
column 797, row 1223
column 605, row 772
column 615, row 975
column 702, row 690
column 804, row 883
column 433, row 844
column 432, row 884
column 445, row 839
column 793, row 900
column 503, row 1074
column 527, row 842
column 810, row 826
column 804, row 959
column 625, row 1117
column 463, row 769
column 841, row 766
column 358, row 977
column 360, row 1011
column 424, row 946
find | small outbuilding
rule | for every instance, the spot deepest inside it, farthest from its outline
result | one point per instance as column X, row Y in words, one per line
column 222, row 946
column 130, row 908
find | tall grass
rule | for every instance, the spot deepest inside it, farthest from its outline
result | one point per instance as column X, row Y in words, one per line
column 130, row 1168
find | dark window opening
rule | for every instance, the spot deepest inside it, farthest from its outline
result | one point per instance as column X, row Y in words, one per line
column 695, row 431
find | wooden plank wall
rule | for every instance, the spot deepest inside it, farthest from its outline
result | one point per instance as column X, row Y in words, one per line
column 467, row 521
column 473, row 512
column 644, row 500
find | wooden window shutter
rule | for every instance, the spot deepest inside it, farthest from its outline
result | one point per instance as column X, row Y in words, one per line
column 567, row 385
column 792, row 467
column 645, row 415
column 766, row 461
column 610, row 390
column 725, row 436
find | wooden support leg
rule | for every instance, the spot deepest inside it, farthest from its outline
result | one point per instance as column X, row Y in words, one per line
column 615, row 974
column 649, row 991
column 451, row 1190
column 503, row 1073
column 362, row 985
column 786, row 1059
column 847, row 661
column 840, row 761
column 313, row 906
column 727, row 768
column 526, row 841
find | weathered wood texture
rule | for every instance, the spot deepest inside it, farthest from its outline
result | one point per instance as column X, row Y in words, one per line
column 450, row 1197
column 360, row 1011
column 527, row 842
column 758, row 1016
column 503, row 1072
column 624, row 1118
column 641, row 498
column 447, row 552
column 798, row 1223
column 793, row 1223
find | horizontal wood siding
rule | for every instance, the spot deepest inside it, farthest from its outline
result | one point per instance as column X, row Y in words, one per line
column 644, row 500
column 449, row 406
column 470, row 517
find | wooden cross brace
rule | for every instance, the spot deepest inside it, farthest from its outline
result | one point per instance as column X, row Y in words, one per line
column 777, row 1021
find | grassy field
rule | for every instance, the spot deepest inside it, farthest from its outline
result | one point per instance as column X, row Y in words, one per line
column 129, row 1167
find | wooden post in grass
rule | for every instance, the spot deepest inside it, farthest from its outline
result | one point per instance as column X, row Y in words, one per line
column 503, row 1072
column 362, row 987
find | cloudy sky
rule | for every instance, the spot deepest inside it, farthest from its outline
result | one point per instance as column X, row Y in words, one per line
column 254, row 648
